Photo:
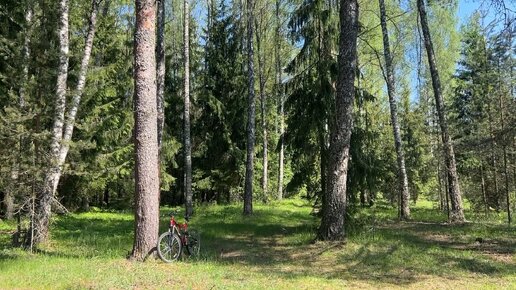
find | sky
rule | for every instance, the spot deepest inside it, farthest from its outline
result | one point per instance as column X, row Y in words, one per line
column 468, row 7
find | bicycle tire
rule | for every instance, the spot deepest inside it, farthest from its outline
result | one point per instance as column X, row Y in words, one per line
column 194, row 243
column 169, row 247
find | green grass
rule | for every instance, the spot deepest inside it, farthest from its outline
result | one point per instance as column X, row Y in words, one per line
column 272, row 249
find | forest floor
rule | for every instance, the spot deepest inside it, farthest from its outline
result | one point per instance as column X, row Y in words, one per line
column 273, row 249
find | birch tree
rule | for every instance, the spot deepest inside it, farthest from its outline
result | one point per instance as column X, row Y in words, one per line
column 456, row 211
column 391, row 92
column 63, row 124
column 186, row 131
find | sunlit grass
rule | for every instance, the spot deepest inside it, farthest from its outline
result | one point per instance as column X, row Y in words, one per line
column 273, row 248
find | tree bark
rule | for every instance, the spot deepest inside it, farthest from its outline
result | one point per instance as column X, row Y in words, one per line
column 145, row 132
column 334, row 203
column 62, row 129
column 263, row 100
column 44, row 197
column 506, row 172
column 483, row 188
column 279, row 91
column 160, row 70
column 391, row 91
column 249, row 168
column 456, row 212
column 186, row 131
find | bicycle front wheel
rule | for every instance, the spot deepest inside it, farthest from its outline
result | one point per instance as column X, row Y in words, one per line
column 169, row 247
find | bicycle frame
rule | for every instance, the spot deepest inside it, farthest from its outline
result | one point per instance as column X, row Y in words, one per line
column 179, row 229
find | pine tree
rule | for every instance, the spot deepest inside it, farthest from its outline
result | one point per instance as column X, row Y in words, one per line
column 334, row 202
column 145, row 132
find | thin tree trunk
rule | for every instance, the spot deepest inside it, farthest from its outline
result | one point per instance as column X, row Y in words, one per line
column 440, row 187
column 493, row 153
column 279, row 91
column 483, row 187
column 249, row 168
column 9, row 198
column 456, row 213
column 334, row 203
column 145, row 132
column 263, row 100
column 160, row 70
column 186, row 131
column 506, row 172
column 391, row 89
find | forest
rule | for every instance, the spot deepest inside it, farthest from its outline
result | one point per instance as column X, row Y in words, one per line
column 308, row 143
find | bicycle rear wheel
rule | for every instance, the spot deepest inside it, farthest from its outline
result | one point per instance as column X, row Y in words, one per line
column 169, row 247
column 194, row 243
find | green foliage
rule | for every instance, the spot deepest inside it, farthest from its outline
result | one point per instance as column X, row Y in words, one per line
column 483, row 107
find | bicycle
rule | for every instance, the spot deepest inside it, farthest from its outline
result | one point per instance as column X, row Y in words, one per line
column 172, row 242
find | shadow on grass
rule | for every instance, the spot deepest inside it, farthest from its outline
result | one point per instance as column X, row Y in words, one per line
column 398, row 253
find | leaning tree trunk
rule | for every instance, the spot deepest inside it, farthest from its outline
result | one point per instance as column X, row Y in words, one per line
column 145, row 132
column 160, row 70
column 45, row 195
column 334, row 202
column 62, row 128
column 277, row 51
column 248, row 187
column 456, row 212
column 391, row 91
column 186, row 131
column 76, row 99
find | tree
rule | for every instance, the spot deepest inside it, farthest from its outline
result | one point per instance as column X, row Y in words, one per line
column 160, row 69
column 279, row 96
column 186, row 130
column 62, row 129
column 145, row 132
column 251, row 112
column 456, row 213
column 334, row 202
column 261, row 40
column 391, row 91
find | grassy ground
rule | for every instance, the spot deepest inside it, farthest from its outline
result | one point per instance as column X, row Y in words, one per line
column 272, row 249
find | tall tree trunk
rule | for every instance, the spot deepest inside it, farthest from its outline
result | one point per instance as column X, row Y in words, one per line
column 279, row 92
column 391, row 90
column 263, row 99
column 186, row 131
column 249, row 167
column 334, row 203
column 45, row 195
column 160, row 70
column 456, row 213
column 145, row 132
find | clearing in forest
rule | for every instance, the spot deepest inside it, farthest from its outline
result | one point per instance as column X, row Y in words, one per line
column 272, row 249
